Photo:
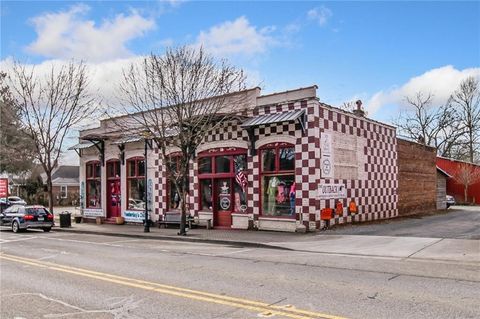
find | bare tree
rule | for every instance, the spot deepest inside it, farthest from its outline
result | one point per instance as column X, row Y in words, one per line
column 430, row 125
column 467, row 174
column 49, row 107
column 467, row 100
column 177, row 99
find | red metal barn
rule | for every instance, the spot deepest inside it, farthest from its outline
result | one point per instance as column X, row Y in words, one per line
column 454, row 187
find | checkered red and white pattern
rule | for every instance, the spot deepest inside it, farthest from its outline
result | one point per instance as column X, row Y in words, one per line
column 374, row 193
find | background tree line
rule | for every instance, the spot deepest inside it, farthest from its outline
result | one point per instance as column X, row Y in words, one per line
column 452, row 128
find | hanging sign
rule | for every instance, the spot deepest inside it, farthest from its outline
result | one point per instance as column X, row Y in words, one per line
column 326, row 158
column 332, row 191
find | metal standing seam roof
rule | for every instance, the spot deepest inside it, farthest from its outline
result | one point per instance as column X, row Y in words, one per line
column 81, row 145
column 129, row 139
column 287, row 116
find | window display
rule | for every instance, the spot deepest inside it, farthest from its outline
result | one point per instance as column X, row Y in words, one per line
column 93, row 181
column 136, row 183
column 278, row 180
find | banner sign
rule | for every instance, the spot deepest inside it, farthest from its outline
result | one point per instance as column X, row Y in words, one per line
column 332, row 191
column 93, row 212
column 3, row 187
column 150, row 194
column 326, row 156
column 134, row 216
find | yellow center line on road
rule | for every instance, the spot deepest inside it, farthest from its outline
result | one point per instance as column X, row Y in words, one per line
column 176, row 291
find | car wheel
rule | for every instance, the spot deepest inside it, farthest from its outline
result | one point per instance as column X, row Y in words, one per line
column 15, row 226
column 47, row 229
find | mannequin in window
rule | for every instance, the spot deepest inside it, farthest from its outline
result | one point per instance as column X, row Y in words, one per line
column 292, row 199
column 272, row 192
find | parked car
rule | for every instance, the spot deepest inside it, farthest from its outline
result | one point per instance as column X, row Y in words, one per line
column 15, row 200
column 20, row 218
column 450, row 201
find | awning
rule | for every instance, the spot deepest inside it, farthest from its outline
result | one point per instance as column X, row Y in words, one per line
column 125, row 140
column 288, row 116
column 81, row 146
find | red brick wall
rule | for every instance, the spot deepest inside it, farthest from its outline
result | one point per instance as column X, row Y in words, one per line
column 416, row 178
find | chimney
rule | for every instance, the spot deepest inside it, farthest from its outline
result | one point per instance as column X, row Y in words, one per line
column 359, row 111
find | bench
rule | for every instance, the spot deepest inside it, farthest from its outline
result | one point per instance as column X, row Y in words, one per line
column 175, row 219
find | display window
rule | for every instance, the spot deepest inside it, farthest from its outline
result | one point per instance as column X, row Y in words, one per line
column 136, row 183
column 173, row 196
column 94, row 184
column 278, row 189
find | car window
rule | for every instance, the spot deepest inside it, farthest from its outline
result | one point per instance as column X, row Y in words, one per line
column 36, row 211
column 21, row 210
column 12, row 209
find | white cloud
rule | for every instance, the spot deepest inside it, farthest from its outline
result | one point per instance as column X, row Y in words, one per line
column 321, row 15
column 68, row 34
column 441, row 82
column 236, row 37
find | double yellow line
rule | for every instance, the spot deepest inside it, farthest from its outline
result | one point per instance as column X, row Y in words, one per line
column 259, row 307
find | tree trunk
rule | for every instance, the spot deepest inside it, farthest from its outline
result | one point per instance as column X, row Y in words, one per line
column 184, row 192
column 50, row 192
column 465, row 193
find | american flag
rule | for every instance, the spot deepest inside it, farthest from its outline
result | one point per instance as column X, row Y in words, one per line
column 241, row 180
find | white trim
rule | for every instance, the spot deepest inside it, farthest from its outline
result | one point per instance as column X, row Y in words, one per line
column 275, row 139
column 228, row 143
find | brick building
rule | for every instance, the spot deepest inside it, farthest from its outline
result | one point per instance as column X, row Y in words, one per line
column 275, row 168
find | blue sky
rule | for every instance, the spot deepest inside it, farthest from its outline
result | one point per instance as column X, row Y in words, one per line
column 376, row 51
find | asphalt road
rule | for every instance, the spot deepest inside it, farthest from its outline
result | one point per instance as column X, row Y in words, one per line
column 65, row 275
column 459, row 222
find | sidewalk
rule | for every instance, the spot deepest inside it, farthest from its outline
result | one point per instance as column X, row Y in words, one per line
column 457, row 250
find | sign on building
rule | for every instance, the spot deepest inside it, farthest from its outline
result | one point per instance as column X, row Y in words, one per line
column 93, row 212
column 3, row 187
column 332, row 191
column 326, row 158
column 134, row 216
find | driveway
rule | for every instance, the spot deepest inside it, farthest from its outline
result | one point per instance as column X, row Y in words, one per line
column 461, row 222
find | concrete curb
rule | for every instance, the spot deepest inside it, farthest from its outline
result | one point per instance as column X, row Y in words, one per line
column 176, row 238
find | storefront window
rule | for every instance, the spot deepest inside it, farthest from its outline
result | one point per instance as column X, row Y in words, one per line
column 136, row 183
column 206, row 194
column 268, row 160
column 173, row 200
column 222, row 164
column 204, row 165
column 240, row 185
column 93, row 181
column 278, row 181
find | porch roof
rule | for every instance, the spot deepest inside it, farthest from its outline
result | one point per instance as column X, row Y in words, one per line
column 288, row 116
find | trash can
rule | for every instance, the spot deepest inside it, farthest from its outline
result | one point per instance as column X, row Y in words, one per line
column 65, row 219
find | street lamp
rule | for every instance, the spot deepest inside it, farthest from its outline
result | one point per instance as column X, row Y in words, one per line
column 148, row 143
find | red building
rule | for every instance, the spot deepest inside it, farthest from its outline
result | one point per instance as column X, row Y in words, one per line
column 455, row 188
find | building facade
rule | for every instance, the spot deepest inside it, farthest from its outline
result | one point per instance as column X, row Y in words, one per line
column 276, row 168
